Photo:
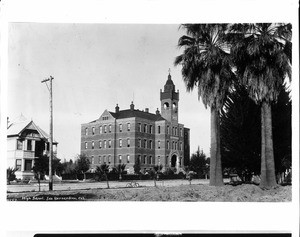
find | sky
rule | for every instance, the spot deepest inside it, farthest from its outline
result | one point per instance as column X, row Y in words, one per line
column 95, row 67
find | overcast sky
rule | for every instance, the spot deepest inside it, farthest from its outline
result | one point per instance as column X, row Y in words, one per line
column 96, row 66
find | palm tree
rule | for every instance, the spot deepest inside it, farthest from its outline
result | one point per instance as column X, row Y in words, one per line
column 103, row 171
column 206, row 65
column 262, row 55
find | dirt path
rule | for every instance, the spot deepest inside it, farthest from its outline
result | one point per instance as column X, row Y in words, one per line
column 196, row 192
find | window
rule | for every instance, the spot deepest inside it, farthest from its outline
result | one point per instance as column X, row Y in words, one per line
column 128, row 126
column 105, row 129
column 128, row 158
column 120, row 159
column 92, row 160
column 86, row 131
column 109, row 159
column 158, row 160
column 158, row 144
column 150, row 129
column 173, row 144
column 145, row 128
column 145, row 159
column 153, row 160
column 19, row 145
column 93, row 130
column 181, row 134
column 176, row 147
column 128, row 142
column 181, row 146
column 145, row 143
column 120, row 127
column 100, row 129
column 100, row 161
column 140, row 127
column 104, row 159
column 18, row 164
column 140, row 143
column 86, row 145
column 139, row 159
column 149, row 160
column 100, row 144
column 173, row 131
column 120, row 142
column 150, row 144
column 29, row 145
column 104, row 144
column 109, row 144
column 176, row 131
column 93, row 144
column 168, row 129
column 167, row 158
column 168, row 145
column 109, row 128
column 158, row 129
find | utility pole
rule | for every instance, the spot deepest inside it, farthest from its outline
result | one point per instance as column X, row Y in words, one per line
column 51, row 132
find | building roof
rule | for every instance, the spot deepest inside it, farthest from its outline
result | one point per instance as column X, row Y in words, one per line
column 128, row 113
column 21, row 123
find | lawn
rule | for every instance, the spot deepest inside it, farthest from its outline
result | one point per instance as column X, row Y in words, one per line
column 196, row 192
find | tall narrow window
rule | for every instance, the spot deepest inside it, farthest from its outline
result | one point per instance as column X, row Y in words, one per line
column 109, row 128
column 145, row 159
column 173, row 145
column 140, row 143
column 150, row 144
column 104, row 144
column 176, row 147
column 140, row 127
column 153, row 160
column 86, row 131
column 120, row 127
column 181, row 146
column 109, row 159
column 158, row 144
column 176, row 131
column 86, row 145
column 145, row 143
column 104, row 159
column 158, row 160
column 100, row 130
column 168, row 129
column 120, row 142
column 128, row 126
column 128, row 142
column 149, row 160
column 29, row 145
column 128, row 158
column 120, row 159
column 181, row 134
column 93, row 130
column 92, row 160
column 145, row 128
column 158, row 129
column 18, row 164
column 19, row 145
column 109, row 144
column 150, row 129
column 100, row 161
column 93, row 144
column 140, row 159
column 105, row 129
column 167, row 159
column 100, row 144
column 168, row 145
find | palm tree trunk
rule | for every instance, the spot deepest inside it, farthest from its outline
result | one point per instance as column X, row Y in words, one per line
column 268, row 178
column 216, row 177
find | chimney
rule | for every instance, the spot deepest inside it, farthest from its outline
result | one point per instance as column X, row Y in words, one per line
column 147, row 110
column 157, row 111
column 117, row 108
column 132, row 106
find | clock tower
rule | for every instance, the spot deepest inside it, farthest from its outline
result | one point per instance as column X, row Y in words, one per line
column 169, row 101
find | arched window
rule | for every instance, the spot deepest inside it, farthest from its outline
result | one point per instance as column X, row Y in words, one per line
column 86, row 131
column 166, row 105
column 128, row 158
column 93, row 144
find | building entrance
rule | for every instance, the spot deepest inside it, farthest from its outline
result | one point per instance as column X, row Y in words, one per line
column 173, row 161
